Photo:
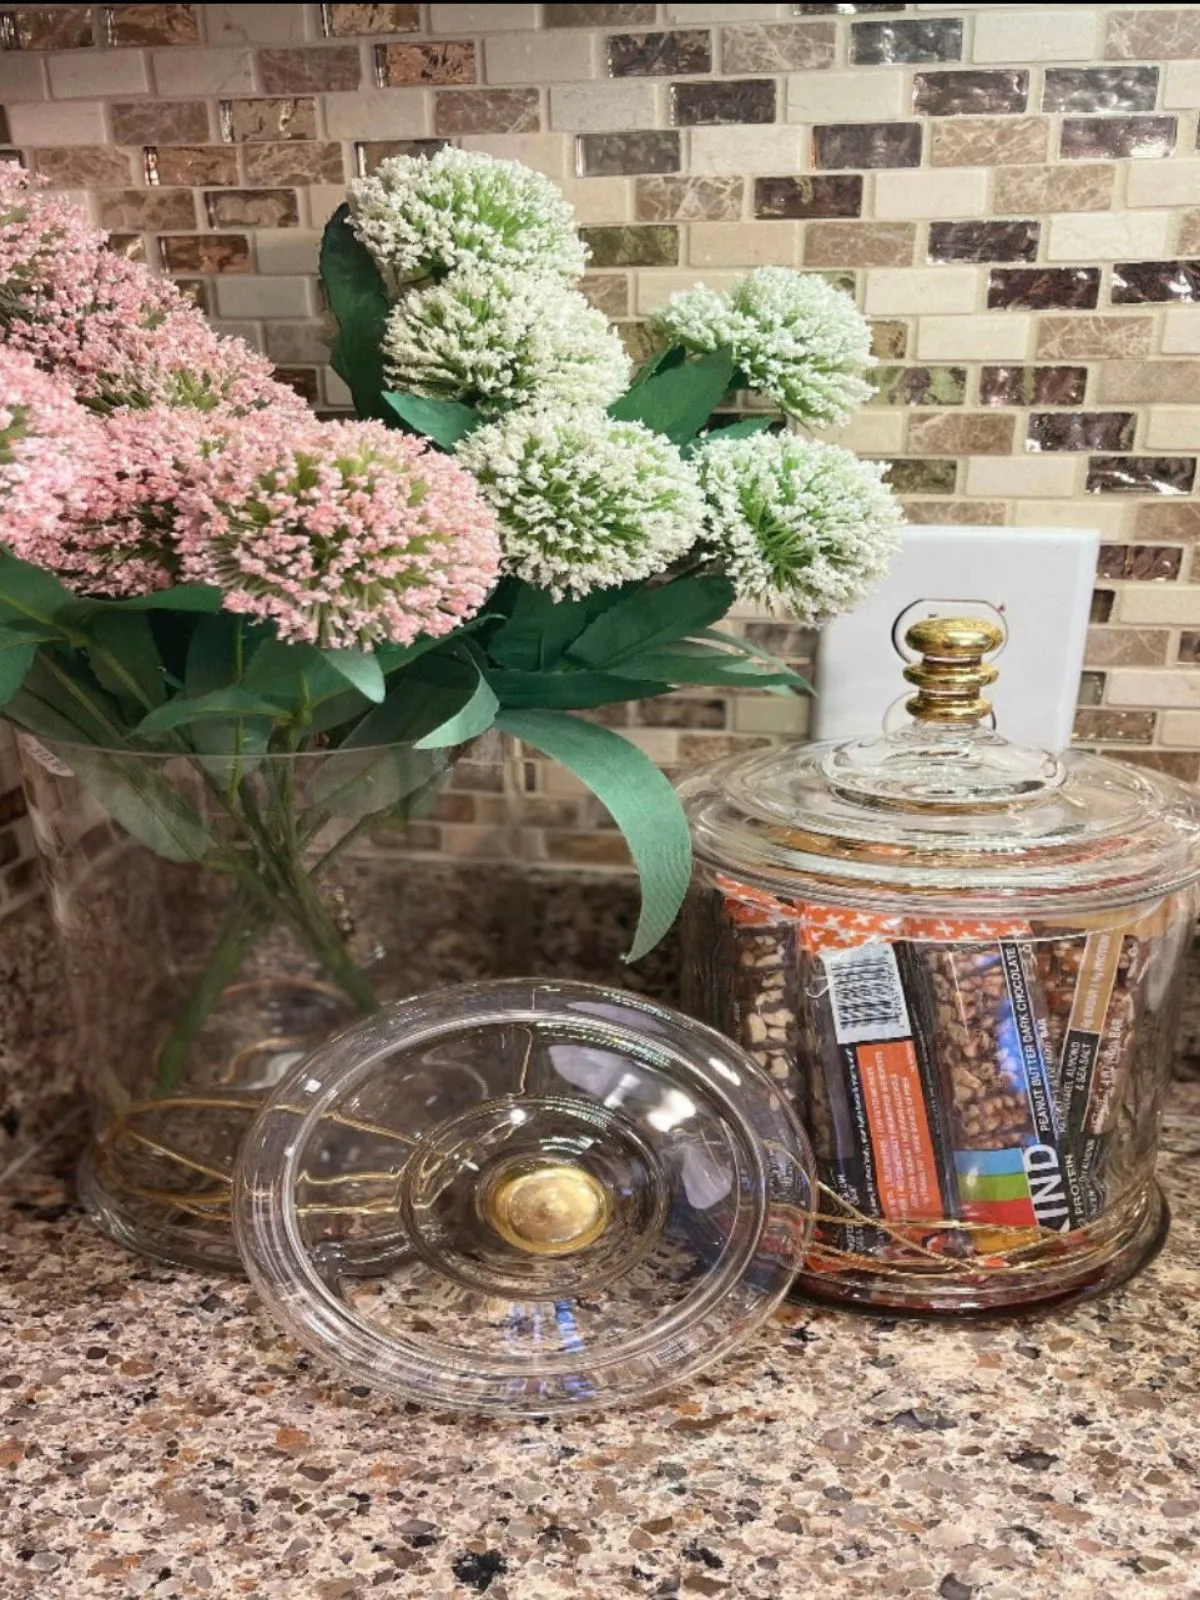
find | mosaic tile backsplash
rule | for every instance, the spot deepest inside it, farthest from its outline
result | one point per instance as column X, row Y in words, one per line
column 1011, row 192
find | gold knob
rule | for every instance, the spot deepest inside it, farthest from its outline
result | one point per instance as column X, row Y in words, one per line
column 952, row 672
column 549, row 1210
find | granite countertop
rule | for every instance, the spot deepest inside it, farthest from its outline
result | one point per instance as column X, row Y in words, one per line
column 160, row 1438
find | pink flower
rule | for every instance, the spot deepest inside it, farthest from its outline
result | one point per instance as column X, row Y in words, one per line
column 48, row 443
column 341, row 534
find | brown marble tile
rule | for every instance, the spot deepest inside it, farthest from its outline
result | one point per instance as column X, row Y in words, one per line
column 608, row 292
column 922, row 477
column 929, row 39
column 1141, row 474
column 949, row 513
column 263, row 121
column 130, row 245
column 632, row 247
column 1121, row 727
column 1181, row 764
column 142, row 25
column 596, row 16
column 1148, row 282
column 344, row 21
column 957, row 94
column 983, row 241
column 918, row 386
column 1102, row 605
column 616, row 154
column 206, row 253
column 83, row 166
column 739, row 100
column 778, row 46
column 1091, row 688
column 191, row 164
column 1169, row 520
column 717, row 199
column 1100, row 89
column 1041, row 287
column 159, row 122
column 1126, row 647
column 990, row 142
column 1081, row 430
column 1114, row 138
column 370, row 152
column 47, row 28
column 300, row 162
column 1162, row 33
column 787, row 640
column 1189, row 647
column 298, row 344
column 451, row 61
column 1061, row 188
column 1148, row 563
column 1094, row 339
column 1149, row 382
column 808, row 197
column 889, row 340
column 639, row 343
column 842, row 10
column 1032, row 386
column 487, row 111
column 303, row 380
column 961, row 434
column 867, row 144
column 11, row 158
column 252, row 208
column 149, row 209
column 659, row 55
column 682, row 711
column 860, row 244
column 304, row 71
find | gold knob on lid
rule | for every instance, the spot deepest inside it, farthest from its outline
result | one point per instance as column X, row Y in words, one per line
column 549, row 1210
column 952, row 672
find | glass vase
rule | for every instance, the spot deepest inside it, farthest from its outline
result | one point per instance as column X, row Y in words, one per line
column 222, row 916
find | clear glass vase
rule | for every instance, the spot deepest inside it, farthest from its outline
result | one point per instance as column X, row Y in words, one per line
column 221, row 917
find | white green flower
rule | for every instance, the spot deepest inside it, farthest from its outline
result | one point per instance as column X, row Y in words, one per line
column 497, row 339
column 798, row 525
column 796, row 339
column 426, row 216
column 584, row 502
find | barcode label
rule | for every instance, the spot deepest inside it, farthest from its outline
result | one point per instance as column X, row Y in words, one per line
column 866, row 994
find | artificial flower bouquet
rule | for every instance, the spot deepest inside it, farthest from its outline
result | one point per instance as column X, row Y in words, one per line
column 516, row 530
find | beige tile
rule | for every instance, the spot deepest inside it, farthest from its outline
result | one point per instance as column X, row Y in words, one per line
column 298, row 344
column 932, row 289
column 544, row 152
column 759, row 47
column 688, row 199
column 931, row 194
column 989, row 141
column 80, row 122
column 955, row 513
column 653, row 289
column 22, row 76
column 1163, row 183
column 482, row 19
column 261, row 24
column 978, row 338
column 871, row 95
column 1173, row 428
column 773, row 714
column 859, row 244
column 1126, row 647
column 336, row 392
column 377, row 114
column 1181, row 85
column 1180, row 728
column 1147, row 382
column 1118, row 236
column 605, row 107
column 1153, row 33
column 1026, row 33
column 1181, row 331
column 725, row 13
column 1084, row 338
column 1079, row 186
column 954, row 433
column 872, row 433
column 284, row 252
column 78, row 74
column 1110, row 519
column 1145, row 686
column 559, row 55
column 487, row 111
column 1160, row 603
column 600, row 200
column 255, row 296
column 323, row 200
column 744, row 244
column 767, row 149
column 188, row 72
column 1023, row 476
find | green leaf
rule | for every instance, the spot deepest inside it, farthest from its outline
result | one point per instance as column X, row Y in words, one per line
column 312, row 691
column 183, row 597
column 476, row 717
column 678, row 667
column 144, row 803
column 61, row 700
column 642, row 803
column 748, row 647
column 359, row 302
column 443, row 421
column 678, row 401
column 15, row 662
column 649, row 617
column 570, row 691
column 540, row 629
column 124, row 656
column 360, row 669
column 29, row 593
column 232, row 701
column 426, row 694
column 744, row 428
column 673, row 356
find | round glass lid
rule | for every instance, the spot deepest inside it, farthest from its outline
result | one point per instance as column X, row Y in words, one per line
column 524, row 1197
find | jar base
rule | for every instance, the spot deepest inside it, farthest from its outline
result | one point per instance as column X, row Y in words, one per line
column 1051, row 1289
column 147, row 1228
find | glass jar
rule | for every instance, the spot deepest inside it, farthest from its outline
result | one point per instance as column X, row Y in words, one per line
column 963, row 960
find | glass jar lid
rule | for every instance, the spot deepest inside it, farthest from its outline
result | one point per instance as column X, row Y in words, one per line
column 524, row 1197
column 943, row 808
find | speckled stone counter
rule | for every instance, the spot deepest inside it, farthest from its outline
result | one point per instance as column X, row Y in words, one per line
column 159, row 1438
